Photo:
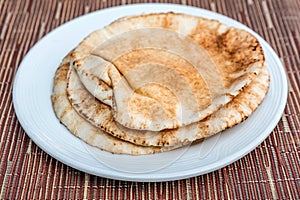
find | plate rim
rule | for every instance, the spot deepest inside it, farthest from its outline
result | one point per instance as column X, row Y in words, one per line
column 147, row 177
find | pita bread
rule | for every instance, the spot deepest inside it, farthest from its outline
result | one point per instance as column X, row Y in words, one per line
column 83, row 129
column 233, row 113
column 164, row 71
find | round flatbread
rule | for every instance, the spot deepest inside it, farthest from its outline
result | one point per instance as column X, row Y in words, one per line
column 167, row 70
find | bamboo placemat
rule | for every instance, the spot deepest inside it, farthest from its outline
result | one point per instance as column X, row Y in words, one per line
column 271, row 171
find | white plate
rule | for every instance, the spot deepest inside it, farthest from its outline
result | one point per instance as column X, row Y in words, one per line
column 33, row 87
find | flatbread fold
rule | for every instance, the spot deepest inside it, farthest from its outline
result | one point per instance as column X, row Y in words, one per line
column 84, row 130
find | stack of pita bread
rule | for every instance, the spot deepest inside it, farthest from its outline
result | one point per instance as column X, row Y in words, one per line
column 152, row 83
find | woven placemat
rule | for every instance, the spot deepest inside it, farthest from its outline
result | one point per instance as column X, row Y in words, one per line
column 271, row 171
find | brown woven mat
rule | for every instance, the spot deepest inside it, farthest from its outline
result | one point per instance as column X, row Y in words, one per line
column 271, row 171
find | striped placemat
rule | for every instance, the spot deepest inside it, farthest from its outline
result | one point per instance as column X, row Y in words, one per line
column 271, row 171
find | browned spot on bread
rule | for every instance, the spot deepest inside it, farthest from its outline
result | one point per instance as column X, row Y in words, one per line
column 233, row 46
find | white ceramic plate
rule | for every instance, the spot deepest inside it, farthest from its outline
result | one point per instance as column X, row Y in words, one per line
column 33, row 87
